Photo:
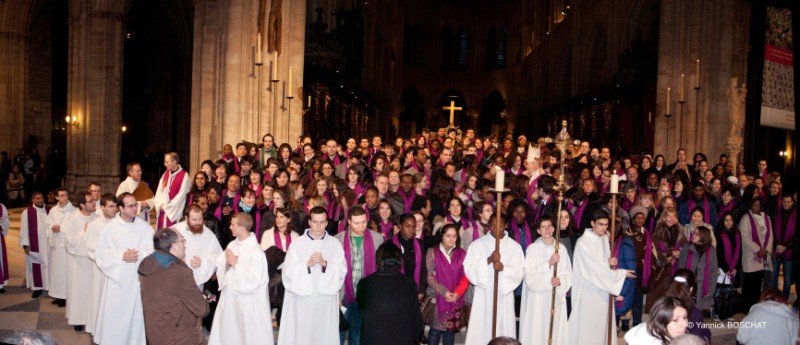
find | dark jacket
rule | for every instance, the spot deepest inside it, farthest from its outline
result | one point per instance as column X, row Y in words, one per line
column 389, row 309
column 173, row 305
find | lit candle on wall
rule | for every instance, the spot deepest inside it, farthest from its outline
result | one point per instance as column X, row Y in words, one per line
column 683, row 86
column 614, row 188
column 500, row 180
column 258, row 49
column 290, row 88
column 309, row 101
column 275, row 65
column 697, row 75
column 668, row 98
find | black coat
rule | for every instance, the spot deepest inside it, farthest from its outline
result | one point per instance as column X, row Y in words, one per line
column 389, row 309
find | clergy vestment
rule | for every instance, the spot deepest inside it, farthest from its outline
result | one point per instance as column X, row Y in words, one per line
column 141, row 191
column 243, row 313
column 534, row 319
column 203, row 245
column 90, row 239
column 481, row 274
column 4, row 228
column 58, row 251
column 170, row 197
column 311, row 304
column 120, row 319
column 79, row 268
column 592, row 283
column 33, row 234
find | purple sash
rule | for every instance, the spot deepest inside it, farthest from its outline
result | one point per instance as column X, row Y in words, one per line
column 417, row 257
column 448, row 274
column 408, row 200
column 731, row 255
column 33, row 239
column 525, row 228
column 276, row 235
column 754, row 233
column 780, row 235
column 706, row 210
column 368, row 267
column 706, row 269
column 386, row 229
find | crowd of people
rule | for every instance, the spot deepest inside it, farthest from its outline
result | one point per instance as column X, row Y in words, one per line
column 27, row 172
column 367, row 241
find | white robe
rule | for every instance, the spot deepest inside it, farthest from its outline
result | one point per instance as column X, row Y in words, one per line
column 58, row 251
column 79, row 276
column 90, row 240
column 534, row 320
column 311, row 304
column 268, row 239
column 120, row 319
column 44, row 252
column 243, row 314
column 173, row 208
column 203, row 245
column 593, row 281
column 128, row 186
column 481, row 274
column 4, row 228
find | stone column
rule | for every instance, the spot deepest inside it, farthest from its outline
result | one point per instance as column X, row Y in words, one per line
column 12, row 89
column 94, row 93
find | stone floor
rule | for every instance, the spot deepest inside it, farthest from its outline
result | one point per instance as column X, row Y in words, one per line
column 19, row 312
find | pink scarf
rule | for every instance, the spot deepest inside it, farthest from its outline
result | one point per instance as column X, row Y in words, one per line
column 277, row 237
column 408, row 200
column 527, row 230
column 448, row 274
column 731, row 255
column 706, row 210
column 417, row 257
column 386, row 229
column 368, row 267
column 782, row 234
column 754, row 234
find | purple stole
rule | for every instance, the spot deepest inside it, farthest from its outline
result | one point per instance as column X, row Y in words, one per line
column 532, row 189
column 223, row 197
column 4, row 265
column 579, row 212
column 706, row 214
column 407, row 200
column 706, row 269
column 540, row 210
column 448, row 274
column 33, row 238
column 341, row 227
column 723, row 209
column 782, row 234
column 527, row 230
column 648, row 257
column 334, row 160
column 754, row 233
column 257, row 190
column 367, row 269
column 731, row 255
column 417, row 257
column 277, row 237
column 627, row 204
column 386, row 229
column 331, row 208
column 174, row 188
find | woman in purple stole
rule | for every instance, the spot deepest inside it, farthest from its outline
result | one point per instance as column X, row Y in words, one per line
column 445, row 264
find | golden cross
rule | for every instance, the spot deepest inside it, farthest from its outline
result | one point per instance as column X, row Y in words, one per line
column 452, row 108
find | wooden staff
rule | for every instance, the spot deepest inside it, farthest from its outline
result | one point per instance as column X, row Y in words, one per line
column 497, row 234
column 613, row 224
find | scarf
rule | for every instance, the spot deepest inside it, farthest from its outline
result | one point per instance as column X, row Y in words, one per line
column 386, row 229
column 222, row 199
column 706, row 269
column 723, row 209
column 648, row 257
column 277, row 238
column 448, row 274
column 417, row 257
column 527, row 230
column 408, row 200
column 781, row 234
column 731, row 255
column 579, row 212
column 368, row 267
column 706, row 210
column 754, row 234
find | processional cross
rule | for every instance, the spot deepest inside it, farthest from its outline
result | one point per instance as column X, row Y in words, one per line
column 452, row 108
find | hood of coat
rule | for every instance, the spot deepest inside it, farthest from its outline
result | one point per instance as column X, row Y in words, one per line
column 774, row 309
column 158, row 262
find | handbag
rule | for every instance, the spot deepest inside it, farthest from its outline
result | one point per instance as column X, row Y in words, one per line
column 727, row 302
column 428, row 309
column 466, row 310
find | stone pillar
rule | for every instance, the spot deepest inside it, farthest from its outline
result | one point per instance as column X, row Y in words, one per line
column 232, row 98
column 12, row 90
column 94, row 93
column 714, row 31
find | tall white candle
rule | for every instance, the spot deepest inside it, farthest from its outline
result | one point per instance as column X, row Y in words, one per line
column 614, row 182
column 275, row 65
column 683, row 86
column 500, row 179
column 697, row 75
column 258, row 49
column 668, row 98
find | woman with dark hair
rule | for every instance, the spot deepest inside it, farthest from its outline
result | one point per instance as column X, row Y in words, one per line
column 282, row 233
column 757, row 243
column 284, row 155
column 682, row 286
column 383, row 222
column 199, row 187
column 456, row 214
column 667, row 321
column 247, row 204
column 281, row 179
column 220, row 173
column 445, row 263
column 355, row 177
column 208, row 167
column 729, row 254
column 701, row 258
column 440, row 193
column 388, row 302
column 518, row 223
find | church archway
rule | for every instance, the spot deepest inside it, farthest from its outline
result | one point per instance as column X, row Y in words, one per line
column 490, row 116
column 412, row 119
column 156, row 97
column 459, row 116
